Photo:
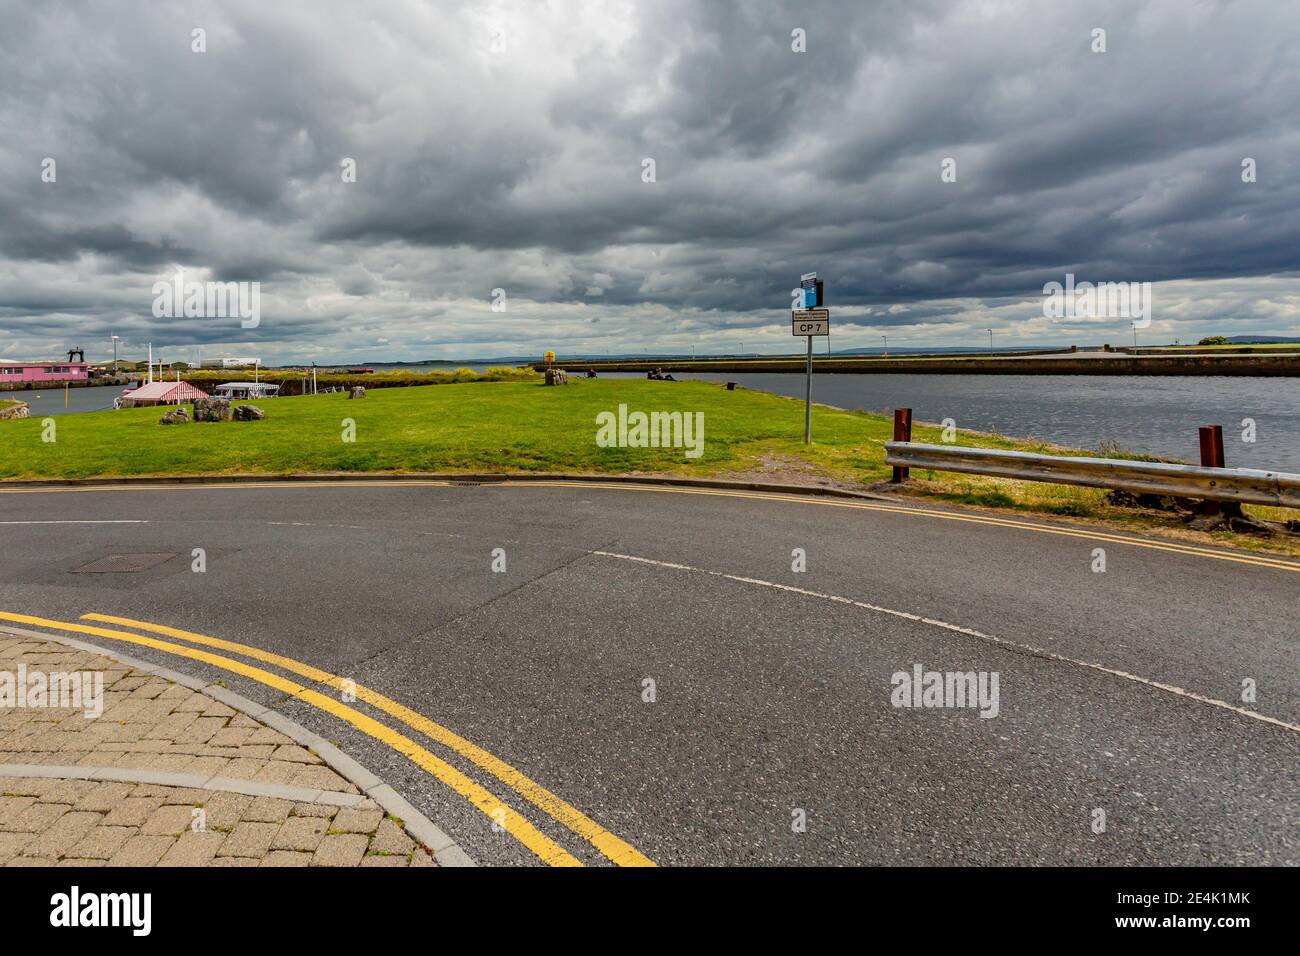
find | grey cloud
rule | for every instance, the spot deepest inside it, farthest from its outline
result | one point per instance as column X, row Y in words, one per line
column 522, row 170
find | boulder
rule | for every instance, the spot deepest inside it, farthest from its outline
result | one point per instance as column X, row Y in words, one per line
column 557, row 376
column 249, row 413
column 212, row 410
column 358, row 391
column 177, row 416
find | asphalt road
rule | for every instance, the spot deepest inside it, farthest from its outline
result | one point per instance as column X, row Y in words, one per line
column 1118, row 691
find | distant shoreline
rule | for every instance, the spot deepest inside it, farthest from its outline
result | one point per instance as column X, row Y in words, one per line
column 1064, row 363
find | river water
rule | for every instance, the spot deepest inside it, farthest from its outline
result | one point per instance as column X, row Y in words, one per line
column 49, row 401
column 1155, row 415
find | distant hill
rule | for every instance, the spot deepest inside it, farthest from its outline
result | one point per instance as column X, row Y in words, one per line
column 1262, row 339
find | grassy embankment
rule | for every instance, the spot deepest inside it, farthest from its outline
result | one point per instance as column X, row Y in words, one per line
column 1241, row 347
column 522, row 426
column 293, row 381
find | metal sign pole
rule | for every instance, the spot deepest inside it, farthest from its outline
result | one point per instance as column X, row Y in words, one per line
column 812, row 319
column 807, row 411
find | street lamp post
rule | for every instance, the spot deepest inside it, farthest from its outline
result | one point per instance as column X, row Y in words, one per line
column 886, row 340
column 1133, row 326
column 990, row 332
column 115, row 338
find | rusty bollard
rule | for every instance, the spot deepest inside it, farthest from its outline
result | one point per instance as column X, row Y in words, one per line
column 902, row 432
column 1212, row 457
column 1212, row 446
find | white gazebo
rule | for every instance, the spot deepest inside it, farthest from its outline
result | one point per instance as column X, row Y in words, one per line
column 235, row 390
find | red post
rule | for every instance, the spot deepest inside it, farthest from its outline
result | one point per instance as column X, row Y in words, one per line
column 1211, row 446
column 902, row 432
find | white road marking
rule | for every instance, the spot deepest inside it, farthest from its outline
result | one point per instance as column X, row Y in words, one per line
column 70, row 521
column 969, row 632
column 314, row 524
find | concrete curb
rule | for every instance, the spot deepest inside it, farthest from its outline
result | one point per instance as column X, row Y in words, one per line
column 446, row 852
column 482, row 478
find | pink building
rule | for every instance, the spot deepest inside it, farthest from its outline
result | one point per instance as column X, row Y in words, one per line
column 25, row 374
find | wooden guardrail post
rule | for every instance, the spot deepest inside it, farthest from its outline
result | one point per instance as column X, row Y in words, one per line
column 902, row 432
column 1212, row 457
column 1212, row 446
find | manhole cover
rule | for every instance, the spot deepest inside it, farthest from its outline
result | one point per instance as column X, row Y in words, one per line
column 125, row 563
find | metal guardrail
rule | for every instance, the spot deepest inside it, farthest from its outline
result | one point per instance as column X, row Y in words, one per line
column 1244, row 485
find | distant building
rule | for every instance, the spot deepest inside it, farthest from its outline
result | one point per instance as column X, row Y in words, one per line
column 230, row 363
column 25, row 374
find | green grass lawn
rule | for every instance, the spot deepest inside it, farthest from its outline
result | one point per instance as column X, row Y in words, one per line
column 482, row 426
column 523, row 426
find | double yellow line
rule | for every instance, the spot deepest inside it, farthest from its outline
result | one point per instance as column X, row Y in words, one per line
column 615, row 849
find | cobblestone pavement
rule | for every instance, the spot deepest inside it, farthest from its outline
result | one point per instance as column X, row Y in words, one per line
column 176, row 779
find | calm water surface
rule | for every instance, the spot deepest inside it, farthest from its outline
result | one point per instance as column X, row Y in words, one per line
column 49, row 401
column 1153, row 415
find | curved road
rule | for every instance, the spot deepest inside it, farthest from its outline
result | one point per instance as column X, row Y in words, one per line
column 649, row 680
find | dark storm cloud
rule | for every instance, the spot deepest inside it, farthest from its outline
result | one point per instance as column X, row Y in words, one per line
column 520, row 168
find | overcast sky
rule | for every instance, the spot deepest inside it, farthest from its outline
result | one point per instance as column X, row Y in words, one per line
column 502, row 146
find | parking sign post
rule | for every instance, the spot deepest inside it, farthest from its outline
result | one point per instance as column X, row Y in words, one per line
column 807, row 405
column 811, row 320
